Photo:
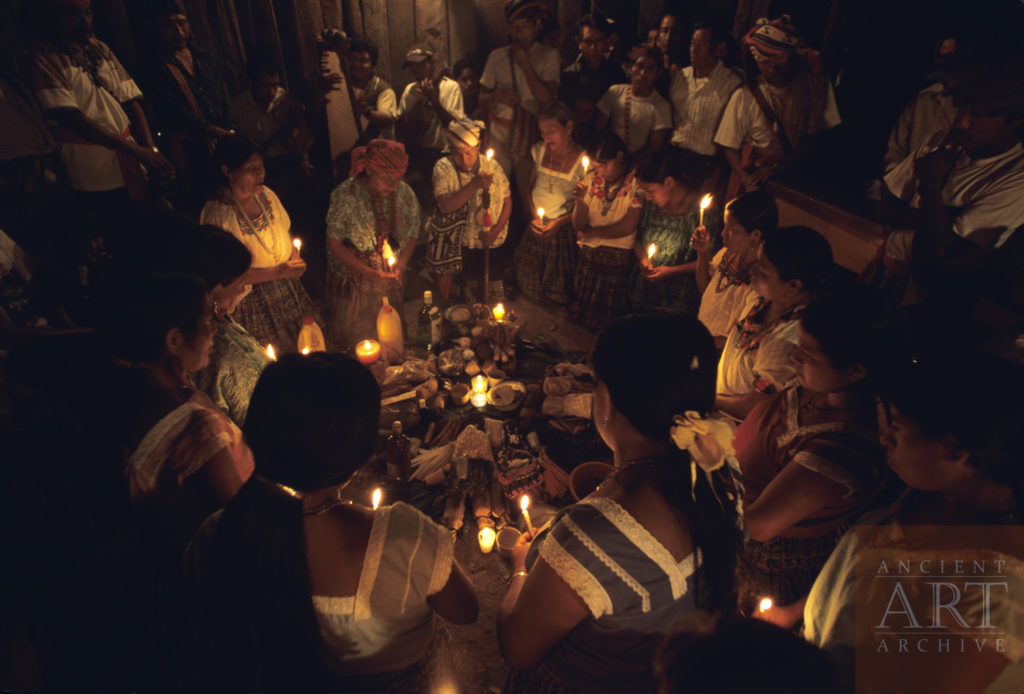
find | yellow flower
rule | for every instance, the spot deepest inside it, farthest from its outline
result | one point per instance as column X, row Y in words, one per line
column 708, row 441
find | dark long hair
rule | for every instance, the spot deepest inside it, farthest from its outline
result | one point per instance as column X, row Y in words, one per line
column 800, row 253
column 669, row 162
column 677, row 374
column 312, row 422
column 848, row 323
column 754, row 210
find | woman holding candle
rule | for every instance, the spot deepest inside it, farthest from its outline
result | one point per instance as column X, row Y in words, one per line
column 670, row 220
column 617, row 569
column 794, row 264
column 605, row 217
column 545, row 258
column 724, row 279
column 373, row 216
column 273, row 311
column 809, row 454
column 462, row 181
column 187, row 458
column 301, row 589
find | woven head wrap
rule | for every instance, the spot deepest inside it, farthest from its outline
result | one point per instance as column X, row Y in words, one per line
column 380, row 156
column 465, row 133
column 773, row 39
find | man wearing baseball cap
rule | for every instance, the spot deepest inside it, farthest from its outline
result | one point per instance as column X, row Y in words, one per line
column 429, row 103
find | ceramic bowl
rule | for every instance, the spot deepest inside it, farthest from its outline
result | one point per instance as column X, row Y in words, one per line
column 506, row 540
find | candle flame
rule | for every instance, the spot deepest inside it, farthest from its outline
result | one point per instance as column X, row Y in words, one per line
column 499, row 312
column 391, row 262
column 377, row 494
column 540, row 213
column 651, row 250
column 388, row 254
column 271, row 353
column 705, row 202
column 480, row 384
column 586, row 163
column 297, row 243
column 486, row 539
column 365, row 346
column 765, row 604
column 490, row 154
column 524, row 502
column 305, row 350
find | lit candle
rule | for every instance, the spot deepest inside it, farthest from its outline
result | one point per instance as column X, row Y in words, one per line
column 480, row 384
column 524, row 503
column 499, row 312
column 298, row 245
column 765, row 604
column 305, row 350
column 652, row 250
column 479, row 400
column 705, row 203
column 389, row 255
column 490, row 154
column 377, row 494
column 586, row 164
column 486, row 538
column 368, row 351
column 540, row 214
column 271, row 354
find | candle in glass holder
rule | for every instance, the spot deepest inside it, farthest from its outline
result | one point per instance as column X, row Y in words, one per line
column 479, row 384
column 705, row 203
column 271, row 353
column 368, row 351
column 479, row 400
column 486, row 539
column 297, row 242
column 586, row 164
column 765, row 604
column 376, row 497
column 499, row 312
column 524, row 504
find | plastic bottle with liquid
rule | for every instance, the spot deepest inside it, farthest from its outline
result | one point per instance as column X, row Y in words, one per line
column 389, row 328
column 428, row 323
column 311, row 338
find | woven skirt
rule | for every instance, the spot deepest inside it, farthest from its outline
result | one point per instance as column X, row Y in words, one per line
column 783, row 568
column 602, row 284
column 537, row 680
column 546, row 265
column 273, row 311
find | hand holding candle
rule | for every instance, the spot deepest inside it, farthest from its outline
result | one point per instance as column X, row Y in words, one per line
column 378, row 493
column 705, row 203
column 765, row 604
column 297, row 242
column 586, row 164
column 652, row 251
column 524, row 504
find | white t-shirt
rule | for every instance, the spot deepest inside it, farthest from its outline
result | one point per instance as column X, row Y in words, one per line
column 805, row 106
column 450, row 97
column 698, row 105
column 497, row 74
column 929, row 114
column 62, row 85
column 646, row 114
column 989, row 192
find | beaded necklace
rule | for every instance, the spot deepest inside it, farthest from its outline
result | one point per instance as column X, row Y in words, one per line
column 248, row 221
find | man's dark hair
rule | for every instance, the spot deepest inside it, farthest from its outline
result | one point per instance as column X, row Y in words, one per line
column 362, row 44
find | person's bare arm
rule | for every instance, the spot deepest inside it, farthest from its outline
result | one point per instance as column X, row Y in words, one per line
column 88, row 129
column 537, row 612
column 543, row 92
column 506, row 210
column 293, row 267
column 702, row 244
column 449, row 202
column 616, row 230
column 738, row 406
column 457, row 601
column 140, row 126
column 793, row 495
column 219, row 477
